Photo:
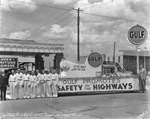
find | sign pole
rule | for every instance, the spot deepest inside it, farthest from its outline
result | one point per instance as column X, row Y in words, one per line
column 137, row 60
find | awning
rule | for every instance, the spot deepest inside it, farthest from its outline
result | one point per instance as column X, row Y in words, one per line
column 28, row 46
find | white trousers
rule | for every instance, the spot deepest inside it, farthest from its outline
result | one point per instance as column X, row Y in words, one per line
column 20, row 93
column 48, row 89
column 26, row 89
column 12, row 90
column 42, row 89
column 33, row 90
column 54, row 89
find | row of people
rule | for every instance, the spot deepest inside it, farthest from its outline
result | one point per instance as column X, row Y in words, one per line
column 36, row 84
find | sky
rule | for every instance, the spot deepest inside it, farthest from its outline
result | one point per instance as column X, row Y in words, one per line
column 102, row 22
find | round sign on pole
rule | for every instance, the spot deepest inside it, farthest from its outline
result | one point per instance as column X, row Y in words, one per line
column 137, row 35
column 95, row 59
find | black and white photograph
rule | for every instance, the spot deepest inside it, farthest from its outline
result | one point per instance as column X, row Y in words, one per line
column 74, row 59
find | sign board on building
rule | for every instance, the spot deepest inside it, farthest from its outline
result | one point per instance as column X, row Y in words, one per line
column 137, row 35
column 8, row 62
column 95, row 59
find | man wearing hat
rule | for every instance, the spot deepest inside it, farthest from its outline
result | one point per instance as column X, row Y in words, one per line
column 3, row 84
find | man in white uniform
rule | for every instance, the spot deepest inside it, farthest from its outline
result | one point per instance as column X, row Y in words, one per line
column 12, row 84
column 19, row 84
column 33, row 83
column 48, row 84
column 25, row 78
column 55, row 78
column 43, row 83
column 39, row 77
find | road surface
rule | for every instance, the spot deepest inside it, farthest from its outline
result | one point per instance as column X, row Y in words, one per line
column 100, row 106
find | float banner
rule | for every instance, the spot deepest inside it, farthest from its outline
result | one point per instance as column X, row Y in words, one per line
column 66, row 85
column 8, row 62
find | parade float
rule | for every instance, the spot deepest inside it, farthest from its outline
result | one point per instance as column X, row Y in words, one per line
column 95, row 75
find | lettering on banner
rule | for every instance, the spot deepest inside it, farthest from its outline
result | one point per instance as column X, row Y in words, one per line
column 78, row 68
column 95, row 84
column 70, row 88
column 100, row 80
column 87, row 87
column 122, row 86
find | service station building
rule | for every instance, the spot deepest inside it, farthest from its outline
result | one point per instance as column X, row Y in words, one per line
column 27, row 54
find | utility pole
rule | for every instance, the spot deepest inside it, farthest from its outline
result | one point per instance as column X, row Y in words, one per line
column 114, row 52
column 78, row 33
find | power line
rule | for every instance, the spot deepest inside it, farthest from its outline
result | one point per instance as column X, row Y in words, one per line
column 69, row 10
column 48, row 6
column 46, row 26
column 131, row 12
column 49, row 21
column 115, row 18
column 62, row 20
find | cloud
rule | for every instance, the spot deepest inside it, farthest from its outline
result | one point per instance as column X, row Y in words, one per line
column 56, row 32
column 111, row 22
column 22, row 35
column 23, row 5
column 63, row 2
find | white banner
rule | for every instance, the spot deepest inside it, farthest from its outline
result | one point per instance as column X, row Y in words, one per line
column 67, row 85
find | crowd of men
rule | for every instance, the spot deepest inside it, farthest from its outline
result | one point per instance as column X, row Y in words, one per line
column 25, row 84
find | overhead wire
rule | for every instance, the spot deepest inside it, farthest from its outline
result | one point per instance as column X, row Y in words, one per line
column 62, row 20
column 97, row 15
column 121, row 18
column 69, row 10
column 115, row 18
column 48, row 6
column 49, row 21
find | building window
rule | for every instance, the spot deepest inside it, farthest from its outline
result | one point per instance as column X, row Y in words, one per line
column 118, row 59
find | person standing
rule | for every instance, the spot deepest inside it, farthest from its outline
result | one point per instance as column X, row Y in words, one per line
column 26, row 89
column 55, row 78
column 12, row 84
column 142, row 79
column 33, row 84
column 42, row 83
column 3, row 85
column 39, row 77
column 19, row 84
column 48, row 84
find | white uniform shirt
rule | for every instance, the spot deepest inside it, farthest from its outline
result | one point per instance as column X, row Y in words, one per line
column 32, row 79
column 12, row 78
column 55, row 77
column 39, row 77
column 43, row 77
column 25, row 77
column 48, row 77
column 19, row 77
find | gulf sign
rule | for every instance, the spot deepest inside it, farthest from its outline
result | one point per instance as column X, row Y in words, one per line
column 95, row 59
column 137, row 35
